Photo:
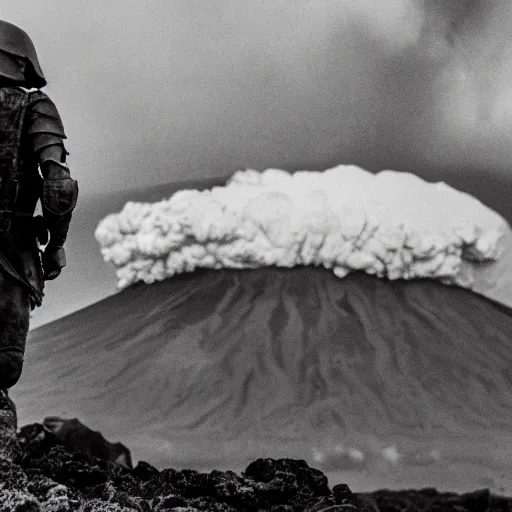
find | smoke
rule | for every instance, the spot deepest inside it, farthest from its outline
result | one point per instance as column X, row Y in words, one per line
column 156, row 91
column 391, row 224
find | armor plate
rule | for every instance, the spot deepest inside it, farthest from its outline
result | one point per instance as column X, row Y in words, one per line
column 59, row 195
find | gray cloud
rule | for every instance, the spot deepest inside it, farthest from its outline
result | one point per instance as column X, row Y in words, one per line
column 156, row 91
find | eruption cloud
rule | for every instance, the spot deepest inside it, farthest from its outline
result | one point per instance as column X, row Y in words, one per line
column 390, row 224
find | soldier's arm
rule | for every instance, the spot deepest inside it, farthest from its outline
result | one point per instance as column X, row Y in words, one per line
column 60, row 191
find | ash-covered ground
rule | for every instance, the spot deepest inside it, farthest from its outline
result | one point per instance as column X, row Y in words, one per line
column 40, row 473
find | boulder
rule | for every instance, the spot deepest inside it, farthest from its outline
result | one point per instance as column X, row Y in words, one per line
column 78, row 438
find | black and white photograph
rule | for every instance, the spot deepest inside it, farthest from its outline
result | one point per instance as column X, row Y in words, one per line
column 256, row 255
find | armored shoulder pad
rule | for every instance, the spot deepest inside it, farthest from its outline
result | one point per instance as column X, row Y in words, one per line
column 43, row 116
column 43, row 140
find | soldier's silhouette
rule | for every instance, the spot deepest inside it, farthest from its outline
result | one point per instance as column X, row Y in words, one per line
column 32, row 168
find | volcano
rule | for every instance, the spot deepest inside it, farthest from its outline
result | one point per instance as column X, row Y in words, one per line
column 375, row 382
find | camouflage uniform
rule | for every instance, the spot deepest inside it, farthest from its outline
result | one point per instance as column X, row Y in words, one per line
column 32, row 168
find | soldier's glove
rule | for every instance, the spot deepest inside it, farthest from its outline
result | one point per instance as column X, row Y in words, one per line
column 54, row 260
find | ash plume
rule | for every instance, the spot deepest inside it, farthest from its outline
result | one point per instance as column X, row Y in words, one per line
column 391, row 224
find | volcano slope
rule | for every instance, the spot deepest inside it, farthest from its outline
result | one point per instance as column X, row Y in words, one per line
column 375, row 382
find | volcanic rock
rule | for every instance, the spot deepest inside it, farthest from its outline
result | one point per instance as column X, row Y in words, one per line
column 78, row 438
column 48, row 478
column 9, row 447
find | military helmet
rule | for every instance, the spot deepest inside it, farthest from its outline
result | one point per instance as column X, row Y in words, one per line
column 18, row 57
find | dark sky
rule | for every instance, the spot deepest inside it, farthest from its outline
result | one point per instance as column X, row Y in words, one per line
column 157, row 90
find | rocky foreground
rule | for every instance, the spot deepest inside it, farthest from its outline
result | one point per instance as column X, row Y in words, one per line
column 37, row 473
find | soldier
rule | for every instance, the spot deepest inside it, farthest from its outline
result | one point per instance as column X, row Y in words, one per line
column 32, row 168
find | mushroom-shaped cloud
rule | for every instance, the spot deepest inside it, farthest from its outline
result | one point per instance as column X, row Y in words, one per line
column 391, row 224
